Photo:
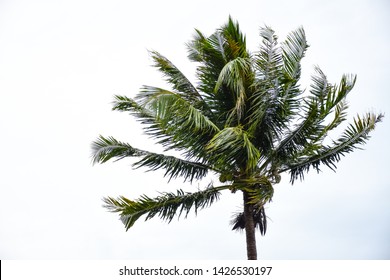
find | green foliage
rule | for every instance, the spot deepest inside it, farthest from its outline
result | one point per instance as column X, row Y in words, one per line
column 246, row 119
column 232, row 149
column 166, row 206
column 106, row 148
column 355, row 135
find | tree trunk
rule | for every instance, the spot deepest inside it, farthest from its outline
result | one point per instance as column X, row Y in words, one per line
column 249, row 229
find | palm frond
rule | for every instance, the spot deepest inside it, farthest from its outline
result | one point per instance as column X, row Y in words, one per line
column 154, row 125
column 355, row 135
column 207, row 49
column 235, row 75
column 175, row 167
column 300, row 137
column 232, row 147
column 269, row 59
column 259, row 189
column 227, row 43
column 106, row 148
column 340, row 115
column 177, row 79
column 178, row 125
column 312, row 116
column 260, row 194
column 309, row 133
column 171, row 120
column 327, row 96
column 320, row 86
column 214, row 53
column 294, row 49
column 125, row 104
column 265, row 120
column 170, row 106
column 234, row 40
column 166, row 206
column 209, row 52
column 142, row 114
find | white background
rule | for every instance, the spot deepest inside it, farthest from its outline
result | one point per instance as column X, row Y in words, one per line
column 274, row 270
column 62, row 61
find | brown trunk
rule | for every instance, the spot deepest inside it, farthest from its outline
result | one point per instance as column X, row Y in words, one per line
column 249, row 229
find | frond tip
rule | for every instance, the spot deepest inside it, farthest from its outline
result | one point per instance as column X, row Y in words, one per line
column 106, row 148
column 166, row 206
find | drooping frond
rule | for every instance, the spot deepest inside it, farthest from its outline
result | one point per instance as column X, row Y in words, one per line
column 260, row 193
column 258, row 187
column 166, row 206
column 232, row 147
column 236, row 75
column 259, row 218
column 106, row 148
column 233, row 75
column 355, row 135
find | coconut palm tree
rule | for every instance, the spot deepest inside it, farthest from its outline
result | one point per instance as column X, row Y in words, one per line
column 245, row 120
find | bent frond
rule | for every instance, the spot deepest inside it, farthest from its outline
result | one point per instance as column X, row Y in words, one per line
column 232, row 147
column 106, row 148
column 355, row 135
column 236, row 75
column 166, row 206
column 259, row 218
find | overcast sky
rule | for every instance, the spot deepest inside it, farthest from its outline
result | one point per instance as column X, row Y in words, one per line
column 61, row 62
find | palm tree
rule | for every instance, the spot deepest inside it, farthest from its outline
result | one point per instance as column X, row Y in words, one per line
column 246, row 120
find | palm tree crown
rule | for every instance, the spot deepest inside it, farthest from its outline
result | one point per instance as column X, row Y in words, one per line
column 246, row 120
